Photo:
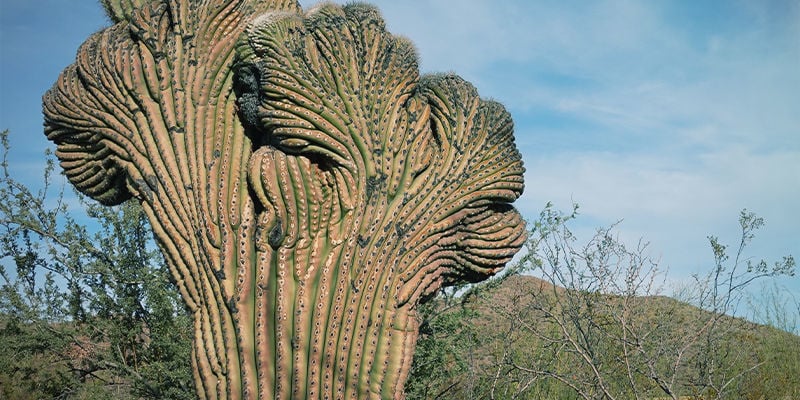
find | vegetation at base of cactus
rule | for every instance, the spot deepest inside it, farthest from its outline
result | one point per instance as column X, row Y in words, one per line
column 87, row 309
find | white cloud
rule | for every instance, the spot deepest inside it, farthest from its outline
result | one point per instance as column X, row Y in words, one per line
column 665, row 187
column 675, row 205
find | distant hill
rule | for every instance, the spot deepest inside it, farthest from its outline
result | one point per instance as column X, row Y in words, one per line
column 525, row 338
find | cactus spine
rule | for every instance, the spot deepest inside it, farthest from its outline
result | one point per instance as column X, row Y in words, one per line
column 307, row 187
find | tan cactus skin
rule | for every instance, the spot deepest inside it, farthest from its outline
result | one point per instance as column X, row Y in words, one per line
column 307, row 187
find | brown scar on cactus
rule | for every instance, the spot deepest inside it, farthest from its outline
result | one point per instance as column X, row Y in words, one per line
column 306, row 185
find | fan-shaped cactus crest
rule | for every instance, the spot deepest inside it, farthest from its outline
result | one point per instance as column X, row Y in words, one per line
column 307, row 187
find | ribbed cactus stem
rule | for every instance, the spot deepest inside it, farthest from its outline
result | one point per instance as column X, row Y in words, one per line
column 307, row 187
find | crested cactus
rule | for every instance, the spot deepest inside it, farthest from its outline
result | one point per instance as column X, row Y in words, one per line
column 307, row 187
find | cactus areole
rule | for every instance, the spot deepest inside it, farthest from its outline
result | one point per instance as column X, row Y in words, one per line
column 306, row 185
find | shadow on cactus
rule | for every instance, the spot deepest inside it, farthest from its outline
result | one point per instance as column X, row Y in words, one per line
column 308, row 188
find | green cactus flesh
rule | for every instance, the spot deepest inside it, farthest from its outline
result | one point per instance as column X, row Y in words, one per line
column 307, row 187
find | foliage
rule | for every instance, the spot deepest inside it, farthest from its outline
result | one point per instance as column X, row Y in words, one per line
column 595, row 325
column 86, row 308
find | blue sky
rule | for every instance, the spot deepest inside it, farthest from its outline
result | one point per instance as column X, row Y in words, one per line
column 669, row 115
